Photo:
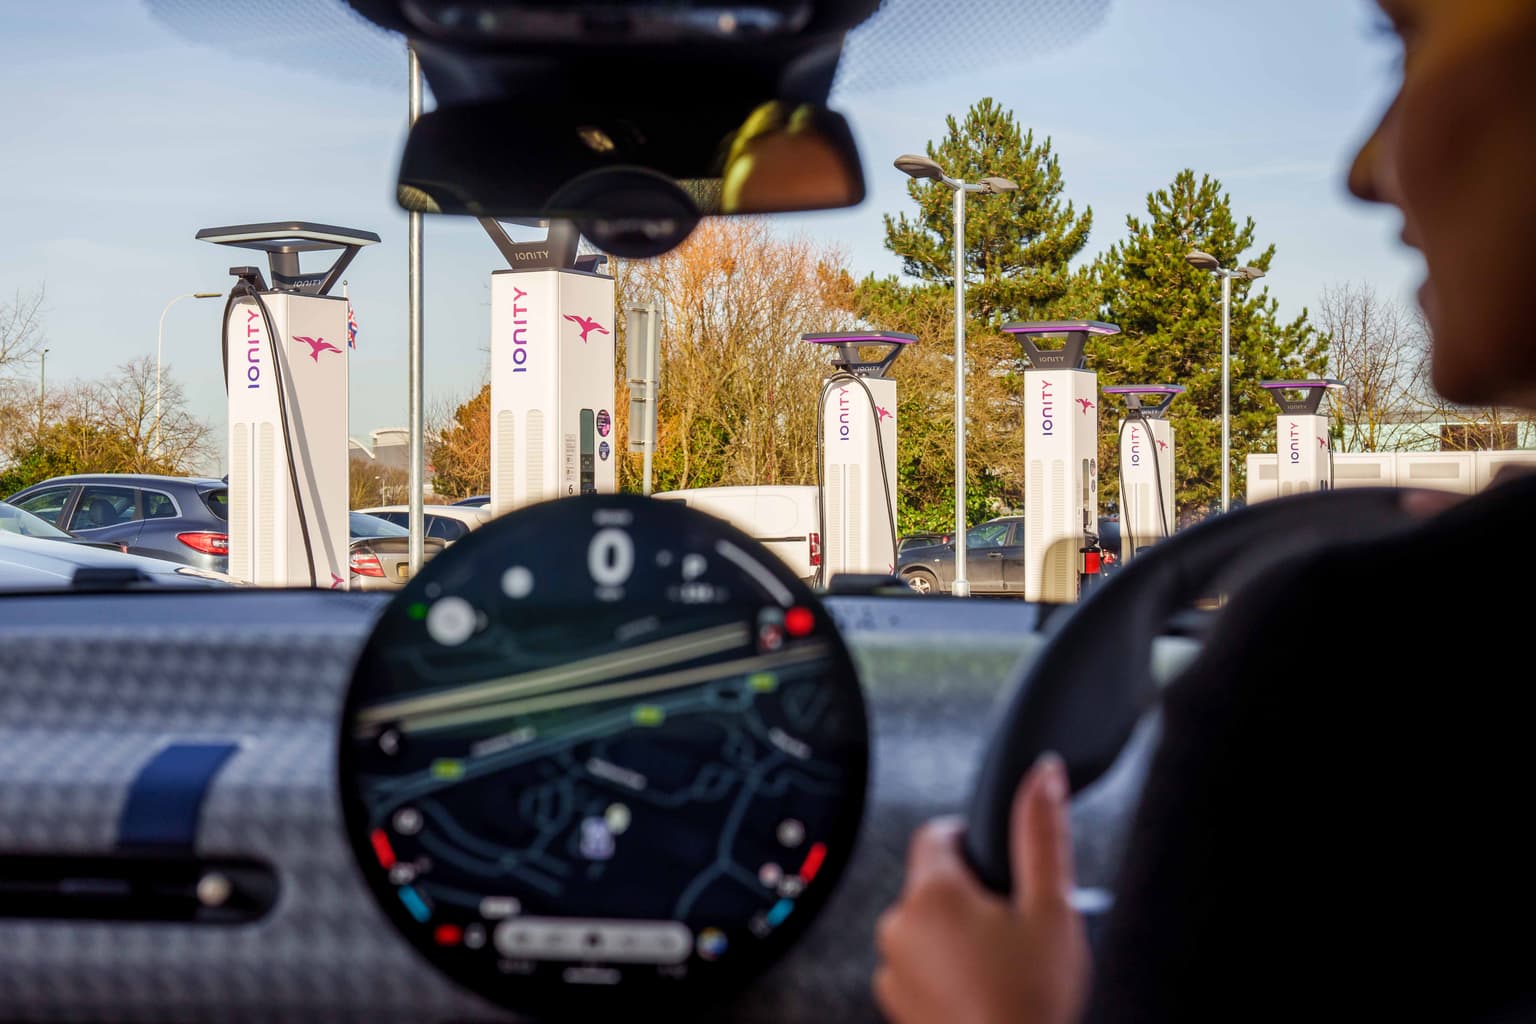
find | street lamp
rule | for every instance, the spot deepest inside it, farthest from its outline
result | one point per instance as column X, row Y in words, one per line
column 42, row 390
column 1205, row 261
column 159, row 345
column 920, row 168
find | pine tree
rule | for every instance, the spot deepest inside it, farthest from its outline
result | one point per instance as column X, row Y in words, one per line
column 1018, row 247
column 1170, row 317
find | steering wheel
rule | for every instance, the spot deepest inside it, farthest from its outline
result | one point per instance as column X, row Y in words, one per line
column 1091, row 684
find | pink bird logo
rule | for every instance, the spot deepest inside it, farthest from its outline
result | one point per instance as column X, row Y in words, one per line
column 316, row 346
column 336, row 581
column 885, row 414
column 1162, row 445
column 587, row 325
column 1086, row 404
column 1322, row 443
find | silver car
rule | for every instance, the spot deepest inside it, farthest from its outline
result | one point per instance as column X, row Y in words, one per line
column 380, row 555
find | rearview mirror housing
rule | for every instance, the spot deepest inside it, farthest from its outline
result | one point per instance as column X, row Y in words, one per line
column 635, row 179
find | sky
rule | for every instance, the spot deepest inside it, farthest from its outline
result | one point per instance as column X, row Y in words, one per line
column 121, row 136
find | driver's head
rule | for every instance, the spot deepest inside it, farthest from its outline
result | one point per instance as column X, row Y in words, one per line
column 1456, row 153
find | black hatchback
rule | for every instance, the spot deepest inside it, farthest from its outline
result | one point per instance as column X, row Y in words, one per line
column 177, row 518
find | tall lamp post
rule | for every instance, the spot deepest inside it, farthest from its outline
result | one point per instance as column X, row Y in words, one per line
column 1205, row 261
column 42, row 389
column 160, row 348
column 919, row 168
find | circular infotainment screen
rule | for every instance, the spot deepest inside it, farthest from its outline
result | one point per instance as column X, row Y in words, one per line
column 602, row 747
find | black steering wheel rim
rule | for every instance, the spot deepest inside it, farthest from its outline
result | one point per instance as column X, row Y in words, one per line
column 1089, row 686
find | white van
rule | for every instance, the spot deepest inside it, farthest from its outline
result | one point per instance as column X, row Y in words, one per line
column 782, row 519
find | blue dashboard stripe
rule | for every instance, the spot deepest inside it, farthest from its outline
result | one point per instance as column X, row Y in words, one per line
column 166, row 798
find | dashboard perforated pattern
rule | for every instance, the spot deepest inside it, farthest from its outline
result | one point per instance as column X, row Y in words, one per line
column 79, row 718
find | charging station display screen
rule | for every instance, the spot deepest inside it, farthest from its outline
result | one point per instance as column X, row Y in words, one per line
column 603, row 744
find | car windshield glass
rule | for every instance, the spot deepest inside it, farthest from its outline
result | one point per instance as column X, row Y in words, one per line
column 25, row 524
column 1116, row 204
column 372, row 526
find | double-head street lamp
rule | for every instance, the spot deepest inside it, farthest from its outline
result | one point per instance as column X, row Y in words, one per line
column 1205, row 261
column 921, row 167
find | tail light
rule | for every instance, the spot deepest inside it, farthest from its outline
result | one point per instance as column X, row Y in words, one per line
column 207, row 543
column 366, row 563
column 815, row 545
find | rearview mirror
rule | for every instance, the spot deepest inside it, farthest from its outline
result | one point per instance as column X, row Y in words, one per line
column 635, row 180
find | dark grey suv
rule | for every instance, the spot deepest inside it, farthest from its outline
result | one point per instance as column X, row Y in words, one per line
column 177, row 518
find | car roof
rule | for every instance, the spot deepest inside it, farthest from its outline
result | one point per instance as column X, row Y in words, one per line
column 464, row 512
column 129, row 479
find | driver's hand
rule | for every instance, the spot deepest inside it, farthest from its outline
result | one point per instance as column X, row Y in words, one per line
column 956, row 953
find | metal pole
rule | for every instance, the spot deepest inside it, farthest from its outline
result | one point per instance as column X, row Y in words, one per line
column 159, row 347
column 1226, row 389
column 653, row 361
column 42, row 390
column 962, row 585
column 415, row 426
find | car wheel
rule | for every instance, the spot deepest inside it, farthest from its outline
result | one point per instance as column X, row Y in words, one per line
column 922, row 581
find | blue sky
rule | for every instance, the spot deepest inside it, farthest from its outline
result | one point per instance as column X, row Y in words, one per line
column 121, row 139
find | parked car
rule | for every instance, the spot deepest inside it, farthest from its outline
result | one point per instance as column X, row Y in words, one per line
column 781, row 518
column 475, row 501
column 447, row 523
column 29, row 562
column 380, row 552
column 994, row 558
column 179, row 519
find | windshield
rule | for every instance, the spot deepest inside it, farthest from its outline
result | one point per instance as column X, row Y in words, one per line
column 25, row 524
column 1203, row 261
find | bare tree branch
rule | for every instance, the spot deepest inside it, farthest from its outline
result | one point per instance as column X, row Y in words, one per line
column 21, row 332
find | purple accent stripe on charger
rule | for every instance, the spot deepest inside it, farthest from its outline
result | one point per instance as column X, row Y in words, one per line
column 855, row 336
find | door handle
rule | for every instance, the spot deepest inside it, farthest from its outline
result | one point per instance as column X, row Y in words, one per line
column 994, row 554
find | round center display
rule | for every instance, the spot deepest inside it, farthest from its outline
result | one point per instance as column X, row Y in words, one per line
column 603, row 744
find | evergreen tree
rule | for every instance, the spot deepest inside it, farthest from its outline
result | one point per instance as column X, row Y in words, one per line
column 1170, row 317
column 1018, row 247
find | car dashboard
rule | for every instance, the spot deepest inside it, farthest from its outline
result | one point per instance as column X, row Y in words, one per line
column 96, row 689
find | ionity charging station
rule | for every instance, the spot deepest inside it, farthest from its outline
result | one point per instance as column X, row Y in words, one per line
column 1061, row 456
column 285, row 369
column 1146, row 466
column 552, row 370
column 856, row 471
column 1304, row 457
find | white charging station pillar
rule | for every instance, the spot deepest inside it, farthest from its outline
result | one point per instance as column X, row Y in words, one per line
column 1147, row 512
column 279, row 536
column 1061, row 456
column 1304, row 459
column 552, row 371
column 858, row 438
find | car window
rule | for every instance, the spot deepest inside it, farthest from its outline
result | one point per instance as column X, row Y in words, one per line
column 398, row 518
column 372, row 526
column 46, row 504
column 445, row 528
column 159, row 505
column 25, row 524
column 988, row 535
column 217, row 502
column 100, row 506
